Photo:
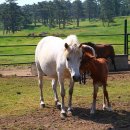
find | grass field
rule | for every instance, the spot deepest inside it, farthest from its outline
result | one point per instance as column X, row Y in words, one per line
column 86, row 28
column 19, row 105
column 19, row 95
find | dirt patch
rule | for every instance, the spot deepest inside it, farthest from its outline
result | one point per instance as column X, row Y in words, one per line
column 49, row 117
column 15, row 71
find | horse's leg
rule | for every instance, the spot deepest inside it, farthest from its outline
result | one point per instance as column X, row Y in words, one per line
column 62, row 92
column 104, row 99
column 70, row 97
column 107, row 98
column 104, row 102
column 95, row 91
column 113, row 62
column 54, row 87
column 84, row 77
column 40, row 78
column 81, row 77
column 40, row 83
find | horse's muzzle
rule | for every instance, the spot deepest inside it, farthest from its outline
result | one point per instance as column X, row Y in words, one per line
column 76, row 78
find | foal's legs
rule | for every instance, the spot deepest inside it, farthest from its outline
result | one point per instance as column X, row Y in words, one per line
column 106, row 97
column 95, row 91
column 70, row 96
column 54, row 87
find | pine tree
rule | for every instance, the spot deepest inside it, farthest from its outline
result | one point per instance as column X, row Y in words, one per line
column 77, row 10
column 91, row 9
column 106, row 11
column 11, row 16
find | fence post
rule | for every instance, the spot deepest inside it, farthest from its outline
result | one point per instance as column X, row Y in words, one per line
column 125, row 38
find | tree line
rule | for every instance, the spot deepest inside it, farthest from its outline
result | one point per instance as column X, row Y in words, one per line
column 60, row 13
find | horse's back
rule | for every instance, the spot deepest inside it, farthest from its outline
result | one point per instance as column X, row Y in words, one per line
column 49, row 43
column 46, row 54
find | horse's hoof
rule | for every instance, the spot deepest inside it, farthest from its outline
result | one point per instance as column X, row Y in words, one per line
column 69, row 113
column 92, row 112
column 109, row 109
column 104, row 107
column 42, row 105
column 58, row 106
column 63, row 116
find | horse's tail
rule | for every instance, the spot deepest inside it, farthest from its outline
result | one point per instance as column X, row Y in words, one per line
column 112, row 51
column 113, row 62
column 112, row 57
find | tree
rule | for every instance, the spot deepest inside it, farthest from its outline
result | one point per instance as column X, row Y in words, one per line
column 27, row 15
column 91, row 9
column 106, row 11
column 43, row 12
column 116, row 4
column 124, row 7
column 11, row 16
column 62, row 12
column 77, row 10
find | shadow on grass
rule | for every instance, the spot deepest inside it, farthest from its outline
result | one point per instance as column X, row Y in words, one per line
column 120, row 120
column 32, row 27
column 115, row 24
column 89, row 26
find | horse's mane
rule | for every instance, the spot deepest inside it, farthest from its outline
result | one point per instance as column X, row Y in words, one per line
column 89, row 44
column 72, row 40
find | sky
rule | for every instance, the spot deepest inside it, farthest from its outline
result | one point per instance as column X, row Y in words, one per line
column 23, row 2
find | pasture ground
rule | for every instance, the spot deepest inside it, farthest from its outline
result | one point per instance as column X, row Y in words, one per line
column 21, row 112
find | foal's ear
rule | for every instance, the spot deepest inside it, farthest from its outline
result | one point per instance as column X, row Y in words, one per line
column 66, row 46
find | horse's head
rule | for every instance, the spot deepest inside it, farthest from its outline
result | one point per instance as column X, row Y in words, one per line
column 90, row 44
column 73, row 55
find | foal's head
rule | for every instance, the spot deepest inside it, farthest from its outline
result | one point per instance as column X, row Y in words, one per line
column 86, row 59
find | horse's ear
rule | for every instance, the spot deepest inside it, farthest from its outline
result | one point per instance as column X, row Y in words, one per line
column 66, row 46
column 80, row 45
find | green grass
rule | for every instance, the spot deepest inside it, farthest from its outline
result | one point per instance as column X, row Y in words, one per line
column 20, row 95
column 86, row 28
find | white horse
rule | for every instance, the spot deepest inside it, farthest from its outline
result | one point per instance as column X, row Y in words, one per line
column 59, row 59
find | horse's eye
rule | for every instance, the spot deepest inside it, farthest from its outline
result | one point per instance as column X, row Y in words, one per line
column 68, row 59
column 80, row 58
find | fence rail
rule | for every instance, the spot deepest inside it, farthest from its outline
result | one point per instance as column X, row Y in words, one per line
column 29, row 45
column 100, row 35
column 17, row 45
column 15, row 54
column 18, row 63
